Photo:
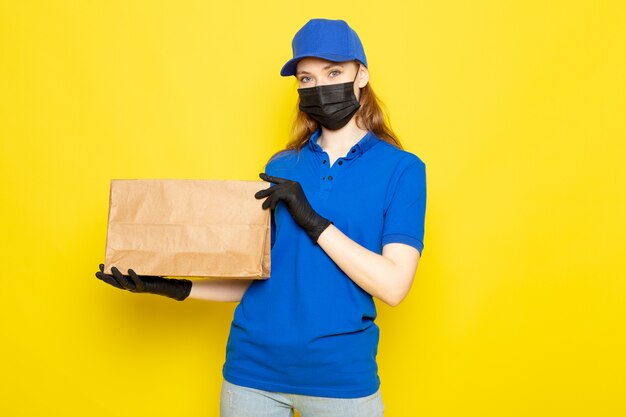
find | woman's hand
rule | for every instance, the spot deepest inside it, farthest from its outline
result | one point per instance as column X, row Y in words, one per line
column 293, row 196
column 177, row 289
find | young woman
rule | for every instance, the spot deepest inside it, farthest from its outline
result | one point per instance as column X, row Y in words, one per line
column 348, row 207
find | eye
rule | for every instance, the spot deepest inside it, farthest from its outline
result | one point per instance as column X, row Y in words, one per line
column 303, row 78
column 338, row 72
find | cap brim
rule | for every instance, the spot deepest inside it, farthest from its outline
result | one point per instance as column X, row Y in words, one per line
column 290, row 66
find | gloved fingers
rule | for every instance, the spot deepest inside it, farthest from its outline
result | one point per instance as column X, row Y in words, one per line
column 121, row 279
column 271, row 202
column 275, row 199
column 139, row 284
column 264, row 193
column 266, row 203
column 109, row 279
column 276, row 180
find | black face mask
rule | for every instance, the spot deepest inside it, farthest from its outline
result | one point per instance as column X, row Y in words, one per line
column 332, row 105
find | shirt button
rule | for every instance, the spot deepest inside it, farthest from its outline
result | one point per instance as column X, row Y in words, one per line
column 324, row 161
column 323, row 178
column 340, row 162
column 330, row 177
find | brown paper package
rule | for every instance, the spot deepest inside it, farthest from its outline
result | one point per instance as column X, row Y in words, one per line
column 188, row 228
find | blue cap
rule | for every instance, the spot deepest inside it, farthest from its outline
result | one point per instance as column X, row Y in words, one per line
column 329, row 39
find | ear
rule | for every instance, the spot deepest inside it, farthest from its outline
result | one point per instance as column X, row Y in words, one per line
column 363, row 77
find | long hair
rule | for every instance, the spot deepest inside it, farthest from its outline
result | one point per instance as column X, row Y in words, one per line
column 369, row 116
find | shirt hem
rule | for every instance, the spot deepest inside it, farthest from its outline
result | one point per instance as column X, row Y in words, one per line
column 290, row 389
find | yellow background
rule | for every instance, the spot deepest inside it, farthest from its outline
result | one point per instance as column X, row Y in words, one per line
column 517, row 107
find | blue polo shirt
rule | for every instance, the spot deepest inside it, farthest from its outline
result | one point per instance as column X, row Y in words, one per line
column 309, row 329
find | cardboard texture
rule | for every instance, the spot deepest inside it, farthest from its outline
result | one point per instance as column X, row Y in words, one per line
column 188, row 228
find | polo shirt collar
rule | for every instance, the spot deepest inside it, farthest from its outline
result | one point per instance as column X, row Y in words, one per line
column 359, row 148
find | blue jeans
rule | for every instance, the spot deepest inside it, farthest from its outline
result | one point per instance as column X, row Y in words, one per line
column 238, row 401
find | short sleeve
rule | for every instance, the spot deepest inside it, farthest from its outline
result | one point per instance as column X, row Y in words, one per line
column 406, row 209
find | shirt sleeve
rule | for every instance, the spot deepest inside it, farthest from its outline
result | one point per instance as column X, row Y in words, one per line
column 406, row 210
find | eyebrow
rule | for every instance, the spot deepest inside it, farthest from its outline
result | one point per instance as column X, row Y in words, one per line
column 326, row 67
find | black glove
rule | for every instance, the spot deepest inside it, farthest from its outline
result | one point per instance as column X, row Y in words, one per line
column 177, row 289
column 292, row 194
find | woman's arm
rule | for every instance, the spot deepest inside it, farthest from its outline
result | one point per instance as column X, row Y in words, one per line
column 387, row 277
column 226, row 290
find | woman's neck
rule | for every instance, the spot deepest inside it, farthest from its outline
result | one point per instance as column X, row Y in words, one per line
column 341, row 140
